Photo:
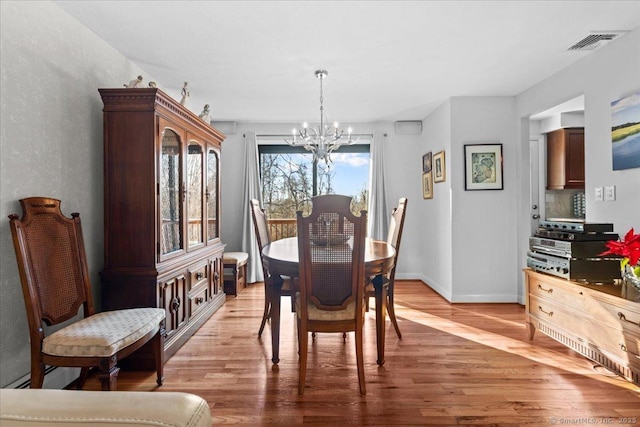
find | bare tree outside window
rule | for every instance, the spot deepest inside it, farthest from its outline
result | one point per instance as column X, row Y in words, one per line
column 290, row 178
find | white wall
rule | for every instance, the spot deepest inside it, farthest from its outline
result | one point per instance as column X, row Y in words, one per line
column 50, row 142
column 436, row 228
column 468, row 236
column 484, row 256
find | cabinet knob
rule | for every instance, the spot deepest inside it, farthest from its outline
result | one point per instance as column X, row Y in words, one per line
column 216, row 275
column 175, row 304
column 199, row 300
column 199, row 275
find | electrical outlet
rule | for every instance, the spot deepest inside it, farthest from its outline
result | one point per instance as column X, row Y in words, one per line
column 610, row 192
column 599, row 194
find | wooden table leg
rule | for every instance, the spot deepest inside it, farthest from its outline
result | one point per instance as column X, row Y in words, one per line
column 381, row 314
column 276, row 293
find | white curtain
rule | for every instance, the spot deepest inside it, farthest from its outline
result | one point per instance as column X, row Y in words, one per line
column 378, row 221
column 251, row 190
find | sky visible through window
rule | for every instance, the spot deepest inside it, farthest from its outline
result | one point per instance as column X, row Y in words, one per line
column 351, row 172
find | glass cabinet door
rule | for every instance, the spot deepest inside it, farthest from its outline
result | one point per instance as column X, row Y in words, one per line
column 195, row 207
column 212, row 195
column 170, row 193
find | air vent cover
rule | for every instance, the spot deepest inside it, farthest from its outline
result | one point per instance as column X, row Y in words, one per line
column 596, row 39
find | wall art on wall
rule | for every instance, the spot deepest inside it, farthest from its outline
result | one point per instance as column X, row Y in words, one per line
column 427, row 185
column 625, row 132
column 426, row 162
column 483, row 167
column 439, row 167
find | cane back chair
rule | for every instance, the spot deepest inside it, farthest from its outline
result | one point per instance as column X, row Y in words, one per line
column 331, row 246
column 264, row 238
column 394, row 236
column 55, row 281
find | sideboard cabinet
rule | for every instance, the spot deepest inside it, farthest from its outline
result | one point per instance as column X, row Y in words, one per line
column 162, row 243
column 594, row 320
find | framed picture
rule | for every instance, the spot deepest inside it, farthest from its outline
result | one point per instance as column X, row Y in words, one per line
column 427, row 185
column 625, row 132
column 439, row 167
column 483, row 167
column 426, row 162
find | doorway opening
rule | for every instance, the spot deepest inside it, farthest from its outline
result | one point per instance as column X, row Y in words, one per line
column 557, row 139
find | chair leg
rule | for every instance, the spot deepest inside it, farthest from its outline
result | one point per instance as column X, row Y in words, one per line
column 157, row 345
column 37, row 374
column 84, row 374
column 108, row 378
column 303, row 336
column 360, row 360
column 267, row 308
column 392, row 312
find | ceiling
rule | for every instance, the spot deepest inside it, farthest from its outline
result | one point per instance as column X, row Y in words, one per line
column 387, row 60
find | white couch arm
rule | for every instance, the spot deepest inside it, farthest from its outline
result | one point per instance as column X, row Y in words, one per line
column 42, row 407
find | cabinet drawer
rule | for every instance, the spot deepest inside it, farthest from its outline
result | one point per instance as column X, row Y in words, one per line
column 561, row 295
column 582, row 299
column 615, row 341
column 615, row 316
column 198, row 300
column 198, row 276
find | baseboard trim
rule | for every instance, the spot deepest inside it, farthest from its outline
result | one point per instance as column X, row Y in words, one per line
column 55, row 378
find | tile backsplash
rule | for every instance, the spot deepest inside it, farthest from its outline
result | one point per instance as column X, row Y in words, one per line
column 569, row 204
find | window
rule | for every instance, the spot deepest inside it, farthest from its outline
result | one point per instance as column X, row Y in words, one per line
column 289, row 178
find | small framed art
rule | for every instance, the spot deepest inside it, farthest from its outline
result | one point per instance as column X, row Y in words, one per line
column 439, row 167
column 426, row 162
column 483, row 167
column 427, row 185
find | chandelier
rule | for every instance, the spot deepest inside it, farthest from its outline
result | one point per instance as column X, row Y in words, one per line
column 322, row 139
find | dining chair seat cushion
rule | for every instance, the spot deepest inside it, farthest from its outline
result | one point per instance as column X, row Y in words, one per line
column 103, row 334
column 237, row 258
column 316, row 314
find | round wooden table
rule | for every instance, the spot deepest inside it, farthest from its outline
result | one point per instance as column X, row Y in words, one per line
column 281, row 258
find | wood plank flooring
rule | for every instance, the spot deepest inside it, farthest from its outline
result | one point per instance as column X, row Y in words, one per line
column 460, row 364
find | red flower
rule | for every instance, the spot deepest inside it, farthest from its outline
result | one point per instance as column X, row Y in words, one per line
column 629, row 247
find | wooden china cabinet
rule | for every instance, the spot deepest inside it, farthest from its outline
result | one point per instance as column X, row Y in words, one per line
column 162, row 243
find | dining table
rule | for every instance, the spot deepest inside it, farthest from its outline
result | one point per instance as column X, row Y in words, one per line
column 281, row 259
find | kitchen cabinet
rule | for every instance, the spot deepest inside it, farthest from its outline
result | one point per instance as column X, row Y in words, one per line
column 565, row 159
column 162, row 244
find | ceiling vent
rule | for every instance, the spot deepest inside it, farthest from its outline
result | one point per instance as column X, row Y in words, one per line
column 596, row 40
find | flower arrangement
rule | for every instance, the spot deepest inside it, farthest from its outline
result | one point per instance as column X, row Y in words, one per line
column 628, row 248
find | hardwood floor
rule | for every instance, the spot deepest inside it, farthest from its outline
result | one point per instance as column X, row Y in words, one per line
column 460, row 364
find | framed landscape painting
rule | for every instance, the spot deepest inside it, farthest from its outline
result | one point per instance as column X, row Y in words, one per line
column 483, row 167
column 625, row 132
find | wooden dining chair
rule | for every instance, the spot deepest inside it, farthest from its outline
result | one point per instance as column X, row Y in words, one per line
column 331, row 246
column 54, row 274
column 394, row 236
column 264, row 238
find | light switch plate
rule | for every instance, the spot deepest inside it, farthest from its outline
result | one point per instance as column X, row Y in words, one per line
column 610, row 192
column 599, row 194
